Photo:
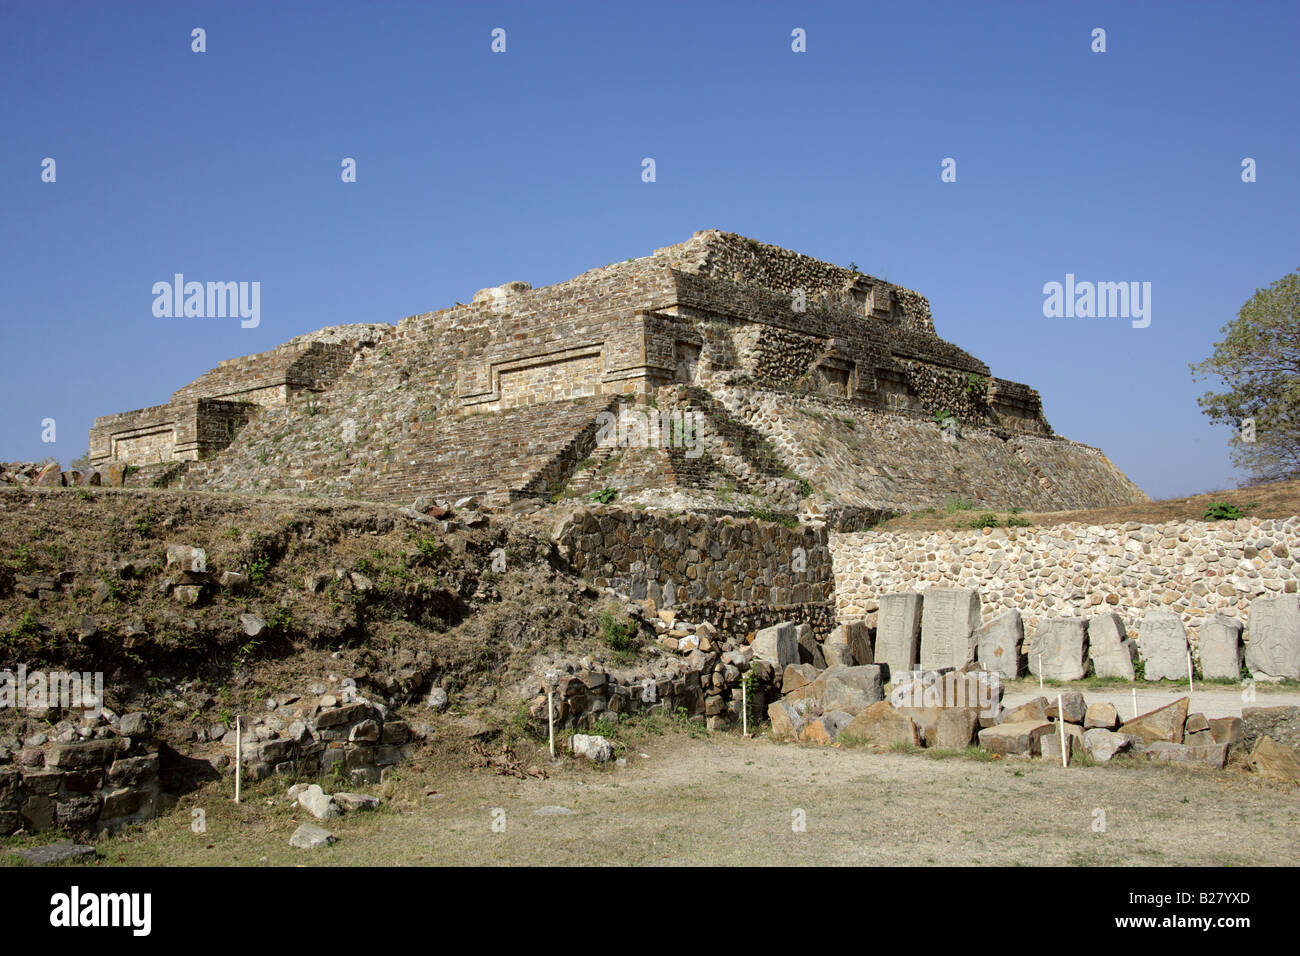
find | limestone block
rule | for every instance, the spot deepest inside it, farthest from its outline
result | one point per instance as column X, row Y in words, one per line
column 999, row 645
column 1163, row 643
column 898, row 631
column 1219, row 643
column 1059, row 648
column 1111, row 651
column 1273, row 651
column 949, row 618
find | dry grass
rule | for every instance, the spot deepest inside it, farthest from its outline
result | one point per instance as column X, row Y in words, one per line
column 1280, row 500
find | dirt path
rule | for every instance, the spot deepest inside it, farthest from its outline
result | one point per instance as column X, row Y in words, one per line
column 1213, row 700
column 726, row 800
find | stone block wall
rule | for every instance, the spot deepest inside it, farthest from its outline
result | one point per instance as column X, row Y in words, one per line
column 102, row 783
column 689, row 559
column 1194, row 569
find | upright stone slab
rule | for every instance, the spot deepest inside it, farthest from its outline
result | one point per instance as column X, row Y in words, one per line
column 898, row 631
column 1058, row 649
column 949, row 617
column 1163, row 643
column 1111, row 651
column 778, row 645
column 1273, row 648
column 1219, row 641
column 999, row 645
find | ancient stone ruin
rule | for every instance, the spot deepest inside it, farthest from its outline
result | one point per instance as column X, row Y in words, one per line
column 718, row 368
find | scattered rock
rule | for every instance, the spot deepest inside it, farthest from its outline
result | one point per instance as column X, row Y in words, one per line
column 593, row 747
column 311, row 837
column 61, row 852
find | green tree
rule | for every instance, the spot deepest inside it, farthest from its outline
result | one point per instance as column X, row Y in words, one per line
column 1258, row 361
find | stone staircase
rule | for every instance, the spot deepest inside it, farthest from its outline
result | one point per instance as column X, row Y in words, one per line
column 520, row 452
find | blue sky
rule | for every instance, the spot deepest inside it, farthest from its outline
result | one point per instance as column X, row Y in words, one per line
column 475, row 168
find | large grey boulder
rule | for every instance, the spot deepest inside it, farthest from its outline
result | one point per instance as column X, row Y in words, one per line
column 1163, row 643
column 898, row 631
column 999, row 645
column 1111, row 651
column 949, row 618
column 61, row 852
column 1219, row 641
column 1273, row 652
column 1059, row 648
column 778, row 645
column 1103, row 744
column 850, row 689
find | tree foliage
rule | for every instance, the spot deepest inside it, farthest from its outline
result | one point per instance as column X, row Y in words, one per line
column 1258, row 360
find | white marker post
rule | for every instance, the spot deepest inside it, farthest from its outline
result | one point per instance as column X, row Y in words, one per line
column 239, row 755
column 1191, row 689
column 551, row 678
column 1135, row 703
column 1060, row 720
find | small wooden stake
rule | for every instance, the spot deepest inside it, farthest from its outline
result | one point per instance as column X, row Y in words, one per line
column 1060, row 720
column 239, row 756
column 550, row 718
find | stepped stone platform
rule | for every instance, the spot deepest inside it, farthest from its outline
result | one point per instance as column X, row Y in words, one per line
column 790, row 379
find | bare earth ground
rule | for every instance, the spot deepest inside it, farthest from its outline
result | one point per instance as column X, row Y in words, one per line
column 1213, row 700
column 725, row 800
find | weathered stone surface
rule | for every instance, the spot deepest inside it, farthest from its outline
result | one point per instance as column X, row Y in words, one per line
column 87, row 753
column 1000, row 645
column 1275, row 761
column 64, row 851
column 1102, row 716
column 1196, row 723
column 1163, row 724
column 849, row 689
column 1219, row 643
column 1103, row 744
column 778, row 645
column 1022, row 737
column 949, row 619
column 1211, row 755
column 898, row 631
column 882, row 726
column 1111, row 651
column 810, row 649
column 970, row 688
column 1162, row 641
column 787, row 722
column 311, row 837
column 352, row 802
column 1273, row 651
column 1280, row 723
column 798, row 675
column 1226, row 730
column 816, row 732
column 955, row 728
column 319, row 804
column 1034, row 710
column 1058, row 649
column 1076, row 708
column 1050, row 745
column 594, row 747
column 856, row 638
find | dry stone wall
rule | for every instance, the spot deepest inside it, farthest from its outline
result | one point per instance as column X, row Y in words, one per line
column 1192, row 569
column 697, row 563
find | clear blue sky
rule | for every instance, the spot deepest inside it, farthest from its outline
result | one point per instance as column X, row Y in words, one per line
column 477, row 168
